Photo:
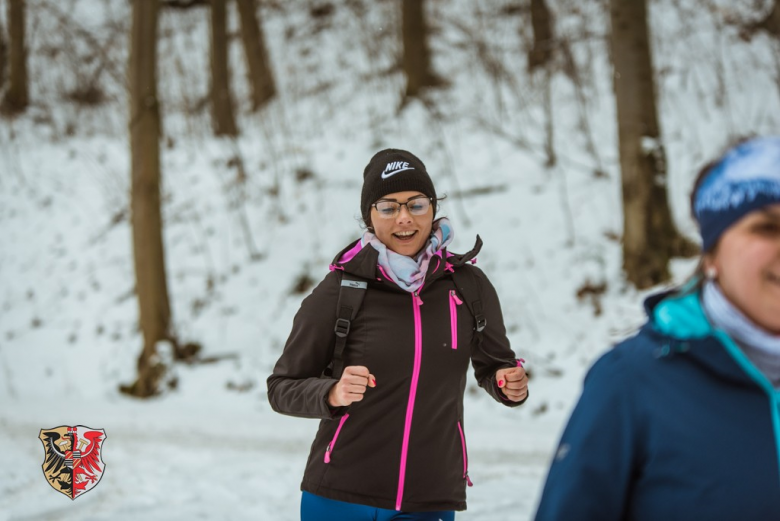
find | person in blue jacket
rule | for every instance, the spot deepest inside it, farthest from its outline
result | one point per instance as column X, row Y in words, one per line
column 682, row 421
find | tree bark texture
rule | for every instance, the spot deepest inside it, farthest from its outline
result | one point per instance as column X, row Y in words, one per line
column 151, row 284
column 222, row 119
column 416, row 56
column 16, row 99
column 259, row 71
column 544, row 39
column 771, row 23
column 649, row 235
column 3, row 57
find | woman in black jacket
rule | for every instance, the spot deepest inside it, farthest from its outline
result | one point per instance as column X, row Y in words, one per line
column 391, row 442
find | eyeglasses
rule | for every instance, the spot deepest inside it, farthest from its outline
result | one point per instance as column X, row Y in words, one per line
column 415, row 206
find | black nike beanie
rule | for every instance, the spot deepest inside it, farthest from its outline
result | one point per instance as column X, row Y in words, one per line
column 393, row 170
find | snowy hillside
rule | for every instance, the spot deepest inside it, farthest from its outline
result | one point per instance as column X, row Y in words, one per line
column 241, row 253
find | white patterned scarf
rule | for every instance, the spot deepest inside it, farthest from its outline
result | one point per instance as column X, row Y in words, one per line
column 409, row 272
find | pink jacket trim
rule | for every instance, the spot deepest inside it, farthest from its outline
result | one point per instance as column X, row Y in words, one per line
column 384, row 274
column 416, row 302
column 465, row 456
column 454, row 302
column 332, row 443
column 349, row 255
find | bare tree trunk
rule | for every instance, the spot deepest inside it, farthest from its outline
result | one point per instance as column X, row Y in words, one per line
column 417, row 56
column 259, row 71
column 222, row 118
column 650, row 238
column 151, row 284
column 16, row 96
column 544, row 39
column 770, row 23
column 549, row 127
column 3, row 56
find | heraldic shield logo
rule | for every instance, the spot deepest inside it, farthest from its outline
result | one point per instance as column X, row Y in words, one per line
column 73, row 463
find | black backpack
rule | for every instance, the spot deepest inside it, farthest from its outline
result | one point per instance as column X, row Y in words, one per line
column 353, row 289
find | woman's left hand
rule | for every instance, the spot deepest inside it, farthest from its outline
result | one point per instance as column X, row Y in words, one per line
column 513, row 382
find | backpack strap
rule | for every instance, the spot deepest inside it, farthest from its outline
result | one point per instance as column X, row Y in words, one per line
column 467, row 284
column 351, row 293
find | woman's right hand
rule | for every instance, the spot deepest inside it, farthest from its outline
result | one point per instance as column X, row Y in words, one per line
column 351, row 387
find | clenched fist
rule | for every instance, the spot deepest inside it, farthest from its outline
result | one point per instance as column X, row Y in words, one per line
column 351, row 387
column 513, row 382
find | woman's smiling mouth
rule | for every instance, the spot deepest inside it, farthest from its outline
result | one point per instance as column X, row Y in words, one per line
column 405, row 236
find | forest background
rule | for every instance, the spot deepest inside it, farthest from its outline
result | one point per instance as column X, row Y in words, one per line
column 176, row 175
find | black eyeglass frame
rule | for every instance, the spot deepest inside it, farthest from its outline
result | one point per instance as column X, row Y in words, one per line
column 431, row 200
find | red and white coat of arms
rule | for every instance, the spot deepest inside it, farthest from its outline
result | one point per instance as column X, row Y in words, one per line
column 73, row 463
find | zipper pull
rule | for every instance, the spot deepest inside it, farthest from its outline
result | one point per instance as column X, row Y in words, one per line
column 417, row 298
column 455, row 297
column 468, row 480
column 327, row 454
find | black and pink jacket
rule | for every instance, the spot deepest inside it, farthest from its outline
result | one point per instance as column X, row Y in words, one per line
column 403, row 446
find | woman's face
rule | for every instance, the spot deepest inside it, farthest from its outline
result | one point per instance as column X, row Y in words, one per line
column 403, row 233
column 747, row 264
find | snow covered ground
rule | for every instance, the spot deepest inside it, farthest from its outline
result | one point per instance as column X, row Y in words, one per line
column 212, row 448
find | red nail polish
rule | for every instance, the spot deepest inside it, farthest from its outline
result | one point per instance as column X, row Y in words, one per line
column 500, row 383
column 374, row 380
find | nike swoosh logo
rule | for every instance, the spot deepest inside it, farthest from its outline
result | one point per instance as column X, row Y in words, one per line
column 385, row 175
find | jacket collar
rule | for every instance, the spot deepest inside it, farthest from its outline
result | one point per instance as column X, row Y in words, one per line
column 363, row 261
column 680, row 324
column 356, row 260
column 680, row 316
column 458, row 260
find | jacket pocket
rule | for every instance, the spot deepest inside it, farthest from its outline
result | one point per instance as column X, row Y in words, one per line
column 454, row 303
column 332, row 443
column 465, row 456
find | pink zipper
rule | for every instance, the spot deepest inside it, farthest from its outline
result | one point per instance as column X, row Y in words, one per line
column 454, row 303
column 332, row 443
column 465, row 457
column 416, row 302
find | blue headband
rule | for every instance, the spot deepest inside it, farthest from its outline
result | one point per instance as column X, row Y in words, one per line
column 746, row 179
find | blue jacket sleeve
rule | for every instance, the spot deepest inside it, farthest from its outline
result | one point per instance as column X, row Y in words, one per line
column 594, row 465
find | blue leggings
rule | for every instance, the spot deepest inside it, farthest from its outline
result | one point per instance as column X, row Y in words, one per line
column 317, row 508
